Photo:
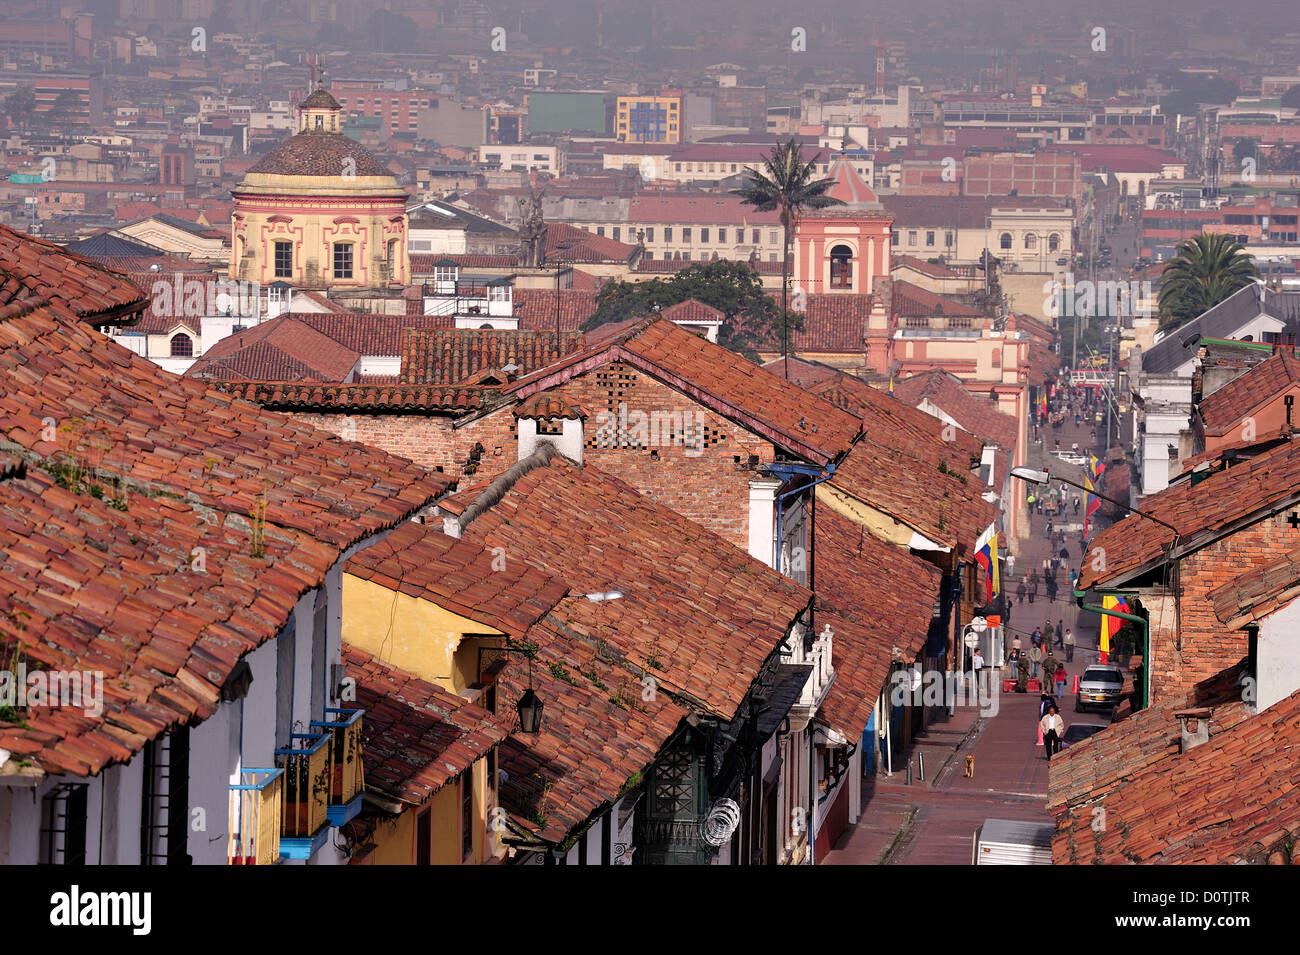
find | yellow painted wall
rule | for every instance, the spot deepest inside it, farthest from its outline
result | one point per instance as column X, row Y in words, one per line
column 411, row 633
column 879, row 523
column 395, row 841
column 395, row 838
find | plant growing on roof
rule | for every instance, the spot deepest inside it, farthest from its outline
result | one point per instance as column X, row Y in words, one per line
column 560, row 673
column 258, row 517
column 15, row 656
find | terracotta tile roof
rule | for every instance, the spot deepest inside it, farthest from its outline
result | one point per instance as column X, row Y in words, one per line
column 318, row 155
column 1202, row 513
column 832, row 323
column 370, row 398
column 549, row 407
column 566, row 243
column 888, row 418
column 1091, row 770
column 922, row 266
column 372, row 335
column 691, row 310
column 175, row 436
column 416, row 737
column 590, row 748
column 95, row 587
column 704, row 609
column 912, row 300
column 1043, row 363
column 283, row 349
column 946, row 392
column 1257, row 592
column 1229, row 800
column 71, row 285
column 943, row 212
column 851, row 561
column 803, row 372
column 423, row 265
column 702, row 208
column 448, row 356
column 1225, row 408
column 463, row 576
column 719, row 379
column 536, row 308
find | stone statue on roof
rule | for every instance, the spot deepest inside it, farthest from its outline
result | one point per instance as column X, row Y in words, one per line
column 532, row 230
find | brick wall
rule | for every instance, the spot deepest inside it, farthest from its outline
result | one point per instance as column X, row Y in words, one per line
column 430, row 442
column 1207, row 646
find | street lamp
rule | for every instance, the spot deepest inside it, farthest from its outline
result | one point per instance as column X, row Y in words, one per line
column 530, row 705
column 1041, row 476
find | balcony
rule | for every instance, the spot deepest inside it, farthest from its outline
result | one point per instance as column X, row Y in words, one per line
column 306, row 765
column 346, row 773
column 256, row 813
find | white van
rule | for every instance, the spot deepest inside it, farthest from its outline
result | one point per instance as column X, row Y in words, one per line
column 1012, row 842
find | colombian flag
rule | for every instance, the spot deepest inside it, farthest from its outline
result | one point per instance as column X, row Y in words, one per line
column 1091, row 502
column 986, row 555
column 1111, row 625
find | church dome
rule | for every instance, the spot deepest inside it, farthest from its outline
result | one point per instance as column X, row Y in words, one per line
column 849, row 187
column 320, row 154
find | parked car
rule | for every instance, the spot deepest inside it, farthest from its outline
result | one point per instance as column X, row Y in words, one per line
column 1078, row 732
column 1101, row 685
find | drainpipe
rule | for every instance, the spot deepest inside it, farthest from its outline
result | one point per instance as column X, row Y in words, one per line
column 1079, row 596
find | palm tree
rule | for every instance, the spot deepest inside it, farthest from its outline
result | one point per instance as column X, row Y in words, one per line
column 1205, row 271
column 788, row 186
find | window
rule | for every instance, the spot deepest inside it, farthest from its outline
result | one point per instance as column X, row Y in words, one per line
column 755, row 238
column 929, row 238
column 1053, row 242
column 911, row 238
column 343, row 260
column 841, row 267
column 467, row 815
column 771, row 238
column 650, row 234
column 704, row 235
column 686, row 234
column 618, row 234
column 600, row 230
column 182, row 346
column 893, row 238
column 390, row 259
column 686, row 256
column 320, row 122
column 1005, row 240
column 733, row 167
column 947, row 239
column 164, row 807
column 722, row 236
column 668, row 233
column 63, row 825
column 444, row 274
column 1031, row 241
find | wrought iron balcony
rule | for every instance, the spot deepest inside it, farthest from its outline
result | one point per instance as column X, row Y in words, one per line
column 256, row 811
column 346, row 773
column 306, row 765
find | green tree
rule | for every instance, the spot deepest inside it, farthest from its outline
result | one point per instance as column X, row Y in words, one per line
column 788, row 188
column 733, row 288
column 65, row 104
column 20, row 105
column 1291, row 97
column 1205, row 271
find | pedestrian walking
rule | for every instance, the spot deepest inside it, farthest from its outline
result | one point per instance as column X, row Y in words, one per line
column 1022, row 674
column 1033, row 586
column 1051, row 531
column 1076, row 505
column 1069, row 645
column 977, row 665
column 1011, row 565
column 1059, row 676
column 1060, row 634
column 1021, row 591
column 1048, row 632
column 1035, row 655
column 1053, row 728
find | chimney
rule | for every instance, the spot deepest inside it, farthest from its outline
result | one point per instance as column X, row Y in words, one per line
column 1194, row 727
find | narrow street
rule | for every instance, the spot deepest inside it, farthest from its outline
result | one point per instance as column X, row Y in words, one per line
column 932, row 822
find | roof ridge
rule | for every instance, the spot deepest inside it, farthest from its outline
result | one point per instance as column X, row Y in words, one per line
column 495, row 491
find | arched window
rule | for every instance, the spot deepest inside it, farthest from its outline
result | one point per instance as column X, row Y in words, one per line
column 182, row 346
column 1053, row 242
column 841, row 267
column 1031, row 241
column 1005, row 240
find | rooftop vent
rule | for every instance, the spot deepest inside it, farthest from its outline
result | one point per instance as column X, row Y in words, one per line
column 1194, row 727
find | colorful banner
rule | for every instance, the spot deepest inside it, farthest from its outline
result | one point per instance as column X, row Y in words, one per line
column 1111, row 625
column 986, row 555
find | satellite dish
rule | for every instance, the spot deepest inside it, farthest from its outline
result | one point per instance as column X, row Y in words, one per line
column 721, row 822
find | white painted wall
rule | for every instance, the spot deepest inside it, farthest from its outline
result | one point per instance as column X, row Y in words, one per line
column 1277, row 669
column 214, row 764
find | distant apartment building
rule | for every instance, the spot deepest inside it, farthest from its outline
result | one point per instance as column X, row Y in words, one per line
column 1032, row 234
column 522, row 158
column 57, row 39
column 1132, row 126
column 743, row 107
column 398, row 110
column 562, row 112
column 681, row 228
column 449, row 123
column 650, row 119
column 1021, row 173
column 1254, row 221
column 74, row 97
column 714, row 162
column 1062, row 123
